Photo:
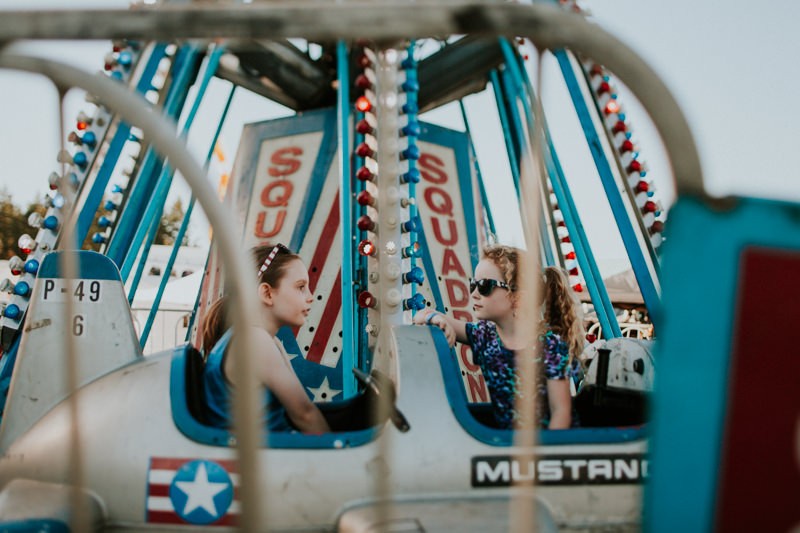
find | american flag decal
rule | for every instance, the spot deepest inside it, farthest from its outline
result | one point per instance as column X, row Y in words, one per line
column 192, row 491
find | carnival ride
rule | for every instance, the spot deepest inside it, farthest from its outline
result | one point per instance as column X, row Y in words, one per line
column 388, row 211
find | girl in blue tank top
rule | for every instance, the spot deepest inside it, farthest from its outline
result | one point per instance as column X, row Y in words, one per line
column 285, row 298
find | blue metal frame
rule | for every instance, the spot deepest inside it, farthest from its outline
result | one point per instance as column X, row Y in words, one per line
column 187, row 215
column 626, row 229
column 481, row 185
column 213, row 436
column 701, row 262
column 504, row 437
column 121, row 136
column 349, row 349
column 583, row 251
column 155, row 206
column 122, row 243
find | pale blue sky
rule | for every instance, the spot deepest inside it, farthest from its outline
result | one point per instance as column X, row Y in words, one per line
column 733, row 68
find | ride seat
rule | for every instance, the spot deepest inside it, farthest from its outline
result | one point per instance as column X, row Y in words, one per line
column 195, row 394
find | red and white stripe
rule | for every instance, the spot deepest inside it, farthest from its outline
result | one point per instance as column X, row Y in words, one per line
column 159, row 479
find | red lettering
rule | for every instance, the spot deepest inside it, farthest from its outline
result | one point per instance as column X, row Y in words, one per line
column 445, row 204
column 425, row 164
column 437, row 232
column 283, row 199
column 451, row 263
column 291, row 165
column 466, row 359
column 456, row 300
column 276, row 228
column 477, row 388
column 466, row 316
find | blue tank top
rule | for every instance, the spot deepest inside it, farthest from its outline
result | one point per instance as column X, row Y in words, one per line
column 218, row 393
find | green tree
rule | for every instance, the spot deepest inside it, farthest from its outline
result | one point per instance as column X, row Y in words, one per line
column 170, row 224
column 13, row 224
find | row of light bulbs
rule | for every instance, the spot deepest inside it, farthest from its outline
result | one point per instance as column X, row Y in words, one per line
column 404, row 99
column 87, row 136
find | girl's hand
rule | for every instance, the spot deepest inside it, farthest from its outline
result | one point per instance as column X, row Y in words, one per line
column 441, row 322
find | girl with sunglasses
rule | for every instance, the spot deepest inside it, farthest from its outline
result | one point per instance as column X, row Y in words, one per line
column 499, row 335
column 285, row 297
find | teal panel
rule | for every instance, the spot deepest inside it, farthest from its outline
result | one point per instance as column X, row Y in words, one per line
column 700, row 281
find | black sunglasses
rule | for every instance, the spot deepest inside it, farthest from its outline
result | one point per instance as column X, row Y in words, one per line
column 486, row 286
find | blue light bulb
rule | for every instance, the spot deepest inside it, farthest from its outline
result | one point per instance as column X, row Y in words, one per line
column 415, row 275
column 103, row 222
column 89, row 139
column 412, row 152
column 22, row 288
column 412, row 129
column 80, row 160
column 50, row 222
column 31, row 266
column 416, row 302
column 116, row 188
column 58, row 201
column 125, row 59
column 412, row 176
column 98, row 238
column 12, row 311
column 109, row 205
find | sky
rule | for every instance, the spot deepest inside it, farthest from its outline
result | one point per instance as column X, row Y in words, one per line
column 732, row 67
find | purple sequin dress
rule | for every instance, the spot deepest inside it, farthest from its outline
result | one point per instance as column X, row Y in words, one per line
column 499, row 371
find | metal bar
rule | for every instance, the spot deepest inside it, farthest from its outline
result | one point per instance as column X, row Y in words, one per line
column 345, row 209
column 504, row 125
column 481, row 184
column 130, row 231
column 243, row 290
column 121, row 135
column 220, row 123
column 210, row 69
column 641, row 270
column 548, row 26
column 583, row 250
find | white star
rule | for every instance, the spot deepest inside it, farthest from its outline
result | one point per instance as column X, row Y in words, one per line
column 323, row 393
column 201, row 492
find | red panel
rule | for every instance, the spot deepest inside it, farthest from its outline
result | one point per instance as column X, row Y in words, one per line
column 759, row 486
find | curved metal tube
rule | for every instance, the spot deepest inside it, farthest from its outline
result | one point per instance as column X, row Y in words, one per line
column 547, row 26
column 137, row 112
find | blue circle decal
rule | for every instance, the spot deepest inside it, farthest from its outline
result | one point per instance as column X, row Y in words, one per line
column 201, row 492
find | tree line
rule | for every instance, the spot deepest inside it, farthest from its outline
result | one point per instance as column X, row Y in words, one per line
column 14, row 223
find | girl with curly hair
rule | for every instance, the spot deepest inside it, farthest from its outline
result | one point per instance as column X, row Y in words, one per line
column 499, row 336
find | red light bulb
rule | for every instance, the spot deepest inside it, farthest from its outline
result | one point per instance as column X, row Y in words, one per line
column 642, row 186
column 365, row 198
column 596, row 70
column 573, row 271
column 570, row 255
column 626, row 146
column 366, row 299
column 363, row 127
column 365, row 223
column 366, row 248
column 364, row 174
column 604, row 87
column 620, row 127
column 362, row 82
column 363, row 104
column 634, row 166
column 657, row 227
column 363, row 150
column 577, row 287
column 612, row 107
column 82, row 125
column 649, row 207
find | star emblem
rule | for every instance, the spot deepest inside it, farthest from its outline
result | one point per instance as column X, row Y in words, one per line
column 201, row 492
column 323, row 393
